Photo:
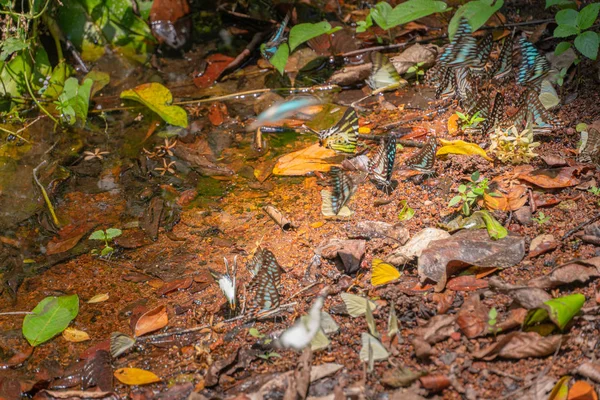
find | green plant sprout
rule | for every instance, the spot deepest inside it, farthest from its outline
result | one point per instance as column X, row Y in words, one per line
column 470, row 122
column 541, row 218
column 269, row 355
column 469, row 194
column 107, row 236
column 418, row 70
column 492, row 321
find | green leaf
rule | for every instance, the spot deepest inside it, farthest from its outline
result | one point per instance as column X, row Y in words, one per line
column 106, row 251
column 462, row 188
column 567, row 17
column 550, row 3
column 475, row 176
column 560, row 311
column 581, row 127
column 587, row 16
column 77, row 97
column 454, row 201
column 362, row 26
column 561, row 48
column 304, row 32
column 98, row 235
column 100, row 79
column 380, row 14
column 112, row 233
column 406, row 213
column 476, row 12
column 279, row 59
column 158, row 98
column 50, row 317
column 494, row 228
column 412, row 10
column 587, row 44
column 11, row 45
column 562, row 31
column 255, row 333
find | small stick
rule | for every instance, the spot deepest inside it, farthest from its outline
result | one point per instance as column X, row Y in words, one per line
column 46, row 198
column 280, row 219
column 304, row 289
column 256, row 39
column 578, row 227
column 17, row 313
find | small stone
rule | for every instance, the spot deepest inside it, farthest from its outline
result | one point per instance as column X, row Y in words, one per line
column 523, row 216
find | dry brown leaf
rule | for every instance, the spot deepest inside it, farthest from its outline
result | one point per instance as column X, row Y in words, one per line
column 466, row 283
column 435, row 382
column 542, row 244
column 526, row 296
column 589, row 370
column 574, row 271
column 555, row 178
column 472, row 318
column 437, row 328
column 151, row 321
column 302, row 162
column 517, row 345
column 98, row 298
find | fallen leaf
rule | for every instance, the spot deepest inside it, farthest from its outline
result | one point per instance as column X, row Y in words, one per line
column 453, row 124
column 177, row 284
column 472, row 318
column 561, row 389
column 574, row 271
column 75, row 335
column 469, row 247
column 466, row 283
column 542, row 244
column 215, row 65
column 158, row 98
column 98, row 298
column 517, row 345
column 67, row 238
column 302, row 162
column 415, row 246
column 217, row 113
column 461, row 147
column 151, row 321
column 435, row 382
column 560, row 311
column 135, row 376
column 554, row 178
column 526, row 296
column 97, row 371
column 438, row 328
column 590, row 370
column 399, row 377
column 582, row 390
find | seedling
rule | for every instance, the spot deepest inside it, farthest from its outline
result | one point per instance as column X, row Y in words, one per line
column 492, row 322
column 469, row 121
column 541, row 218
column 417, row 69
column 469, row 194
column 107, row 236
column 268, row 355
column 594, row 190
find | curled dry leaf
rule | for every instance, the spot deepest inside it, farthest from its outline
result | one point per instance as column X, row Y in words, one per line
column 470, row 247
column 435, row 382
column 582, row 390
column 415, row 246
column 472, row 318
column 177, row 284
column 526, row 296
column 574, row 271
column 437, row 328
column 151, row 321
column 466, row 283
column 542, row 244
column 517, row 345
column 98, row 298
column 301, row 162
column 590, row 370
column 554, row 178
column 75, row 335
column 399, row 377
column 135, row 376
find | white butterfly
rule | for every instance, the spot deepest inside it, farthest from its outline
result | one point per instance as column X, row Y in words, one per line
column 305, row 329
column 227, row 282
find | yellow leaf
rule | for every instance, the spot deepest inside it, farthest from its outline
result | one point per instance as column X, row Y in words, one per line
column 453, row 124
column 310, row 159
column 75, row 335
column 461, row 147
column 364, row 130
column 135, row 376
column 383, row 272
column 561, row 389
column 317, row 224
column 98, row 298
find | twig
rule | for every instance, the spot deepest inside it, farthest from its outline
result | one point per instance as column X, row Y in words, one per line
column 506, row 375
column 578, row 227
column 17, row 313
column 256, row 39
column 304, row 289
column 46, row 198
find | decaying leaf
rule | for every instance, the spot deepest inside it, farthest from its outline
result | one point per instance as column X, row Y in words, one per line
column 574, row 271
column 135, row 376
column 472, row 318
column 470, row 247
column 151, row 321
column 554, row 178
column 301, row 162
column 461, row 147
column 542, row 244
column 415, row 246
column 581, row 390
column 526, row 296
column 98, row 298
column 517, row 345
column 437, row 328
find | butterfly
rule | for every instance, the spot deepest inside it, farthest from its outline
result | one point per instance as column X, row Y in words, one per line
column 424, row 159
column 463, row 49
column 384, row 76
column 484, row 48
column 265, row 283
column 120, row 343
column 382, row 164
column 356, row 305
column 342, row 189
column 464, row 84
column 491, row 113
column 283, row 110
column 372, row 350
column 589, row 150
column 502, row 68
column 383, row 273
column 269, row 48
column 341, row 137
column 304, row 330
column 227, row 282
column 531, row 109
column 533, row 66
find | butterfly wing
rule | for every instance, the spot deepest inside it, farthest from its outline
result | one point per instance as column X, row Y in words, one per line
column 383, row 273
column 382, row 164
column 502, row 68
column 424, row 160
column 447, row 86
column 383, row 76
column 343, row 136
column 590, row 148
column 462, row 50
column 342, row 189
column 265, row 293
column 269, row 49
column 533, row 66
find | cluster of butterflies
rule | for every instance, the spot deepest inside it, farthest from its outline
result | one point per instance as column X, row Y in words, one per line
column 263, row 291
column 464, row 70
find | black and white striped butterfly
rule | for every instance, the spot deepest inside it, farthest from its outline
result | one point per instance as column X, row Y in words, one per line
column 424, row 160
column 531, row 110
column 343, row 136
column 382, row 164
column 533, row 66
column 384, row 76
column 342, row 188
column 503, row 67
column 492, row 113
column 463, row 50
column 227, row 282
column 265, row 284
column 484, row 48
column 589, row 150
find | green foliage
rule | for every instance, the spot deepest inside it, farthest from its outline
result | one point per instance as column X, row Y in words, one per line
column 269, row 355
column 418, row 70
column 106, row 236
column 50, row 317
column 576, row 23
column 492, row 321
column 594, row 190
column 158, row 99
column 471, row 121
column 469, row 194
column 559, row 3
column 74, row 101
column 12, row 45
column 387, row 17
column 559, row 311
column 541, row 218
column 256, row 333
column 406, row 213
column 476, row 12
